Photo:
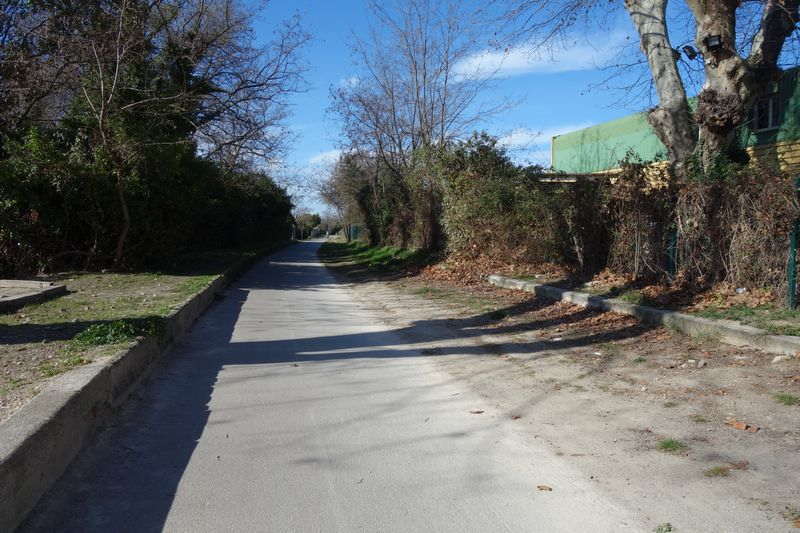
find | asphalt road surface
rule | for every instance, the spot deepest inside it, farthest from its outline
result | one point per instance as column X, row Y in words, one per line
column 292, row 407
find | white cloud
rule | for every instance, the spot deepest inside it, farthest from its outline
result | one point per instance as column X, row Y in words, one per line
column 525, row 137
column 533, row 146
column 350, row 82
column 522, row 60
column 325, row 158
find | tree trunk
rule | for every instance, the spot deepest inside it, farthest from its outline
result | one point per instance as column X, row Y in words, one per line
column 728, row 92
column 732, row 82
column 672, row 119
column 126, row 221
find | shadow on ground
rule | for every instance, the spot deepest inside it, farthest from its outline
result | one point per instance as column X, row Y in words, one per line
column 126, row 480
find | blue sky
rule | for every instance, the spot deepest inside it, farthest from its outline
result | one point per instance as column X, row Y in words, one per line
column 556, row 96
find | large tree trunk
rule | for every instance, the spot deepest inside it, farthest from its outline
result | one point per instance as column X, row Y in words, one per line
column 672, row 119
column 732, row 82
column 728, row 92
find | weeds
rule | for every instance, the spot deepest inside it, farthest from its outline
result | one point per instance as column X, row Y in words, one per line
column 610, row 349
column 717, row 471
column 381, row 258
column 108, row 333
column 671, row 446
column 632, row 297
column 779, row 321
column 53, row 368
column 787, row 399
column 11, row 385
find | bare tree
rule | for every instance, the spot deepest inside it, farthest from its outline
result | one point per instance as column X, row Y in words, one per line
column 411, row 89
column 739, row 42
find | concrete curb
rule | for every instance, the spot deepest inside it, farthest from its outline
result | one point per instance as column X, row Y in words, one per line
column 39, row 292
column 727, row 331
column 40, row 440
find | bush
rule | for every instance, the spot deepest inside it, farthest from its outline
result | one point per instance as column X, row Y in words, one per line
column 734, row 228
column 59, row 207
column 641, row 220
column 492, row 206
column 727, row 225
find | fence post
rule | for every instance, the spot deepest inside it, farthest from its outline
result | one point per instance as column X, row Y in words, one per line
column 791, row 264
column 672, row 253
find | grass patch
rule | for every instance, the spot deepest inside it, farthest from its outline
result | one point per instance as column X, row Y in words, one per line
column 639, row 359
column 609, row 349
column 671, row 446
column 633, row 296
column 108, row 333
column 68, row 362
column 777, row 320
column 698, row 419
column 101, row 312
column 117, row 332
column 429, row 292
column 664, row 528
column 10, row 385
column 379, row 258
column 670, row 404
column 787, row 399
column 717, row 471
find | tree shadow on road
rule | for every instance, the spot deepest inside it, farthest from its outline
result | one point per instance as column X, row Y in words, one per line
column 127, row 479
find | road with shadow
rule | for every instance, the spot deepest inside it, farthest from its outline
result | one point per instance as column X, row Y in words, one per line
column 292, row 407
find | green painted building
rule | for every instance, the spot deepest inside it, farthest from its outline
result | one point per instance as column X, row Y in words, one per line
column 772, row 136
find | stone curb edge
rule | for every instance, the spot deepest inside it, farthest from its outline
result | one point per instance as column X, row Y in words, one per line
column 12, row 304
column 40, row 440
column 727, row 331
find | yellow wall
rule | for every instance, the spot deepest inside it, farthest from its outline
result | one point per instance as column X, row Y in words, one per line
column 786, row 154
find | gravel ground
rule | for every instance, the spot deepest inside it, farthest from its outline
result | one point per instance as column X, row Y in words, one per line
column 687, row 431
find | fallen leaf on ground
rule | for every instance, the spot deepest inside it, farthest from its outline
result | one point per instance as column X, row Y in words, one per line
column 796, row 523
column 740, row 465
column 515, row 417
column 545, row 488
column 736, row 424
column 476, row 411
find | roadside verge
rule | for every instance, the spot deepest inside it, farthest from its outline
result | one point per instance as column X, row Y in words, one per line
column 41, row 439
column 726, row 331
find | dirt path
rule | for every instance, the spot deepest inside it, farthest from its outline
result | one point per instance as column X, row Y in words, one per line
column 685, row 431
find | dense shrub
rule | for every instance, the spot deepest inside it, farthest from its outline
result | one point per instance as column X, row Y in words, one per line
column 641, row 221
column 734, row 227
column 729, row 225
column 58, row 206
column 493, row 206
column 133, row 131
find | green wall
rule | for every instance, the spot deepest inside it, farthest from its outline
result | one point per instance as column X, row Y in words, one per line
column 603, row 146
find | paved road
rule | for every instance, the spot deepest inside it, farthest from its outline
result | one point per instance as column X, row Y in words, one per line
column 290, row 407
